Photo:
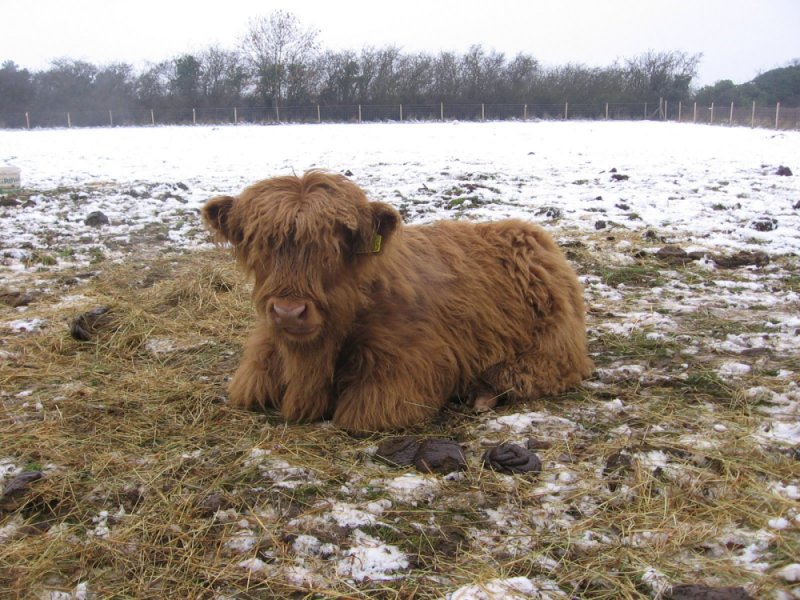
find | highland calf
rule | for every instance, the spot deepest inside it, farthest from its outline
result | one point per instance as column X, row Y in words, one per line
column 376, row 324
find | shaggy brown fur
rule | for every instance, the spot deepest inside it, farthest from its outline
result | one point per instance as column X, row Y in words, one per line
column 378, row 332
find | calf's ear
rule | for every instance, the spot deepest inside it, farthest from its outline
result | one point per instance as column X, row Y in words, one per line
column 217, row 216
column 383, row 221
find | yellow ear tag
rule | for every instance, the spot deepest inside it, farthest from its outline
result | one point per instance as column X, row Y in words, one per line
column 374, row 247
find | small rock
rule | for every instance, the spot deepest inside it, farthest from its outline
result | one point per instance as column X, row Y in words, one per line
column 96, row 219
column 21, row 482
column 796, row 205
column 784, row 171
column 703, row 592
column 600, row 224
column 8, row 201
column 15, row 490
column 619, row 177
column 741, row 259
column 348, row 173
column 673, row 254
column 551, row 212
column 622, row 206
column 512, row 459
column 534, row 444
column 87, row 324
column 764, row 224
column 439, row 456
column 17, row 299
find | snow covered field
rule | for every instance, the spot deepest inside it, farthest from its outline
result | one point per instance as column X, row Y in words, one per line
column 676, row 462
column 710, row 187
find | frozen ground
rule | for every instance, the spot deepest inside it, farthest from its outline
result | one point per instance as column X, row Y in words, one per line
column 675, row 463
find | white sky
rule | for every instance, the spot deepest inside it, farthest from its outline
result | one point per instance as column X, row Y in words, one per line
column 738, row 38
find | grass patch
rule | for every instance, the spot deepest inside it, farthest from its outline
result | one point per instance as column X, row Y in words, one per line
column 638, row 275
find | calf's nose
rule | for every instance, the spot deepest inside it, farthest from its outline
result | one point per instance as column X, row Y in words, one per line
column 289, row 311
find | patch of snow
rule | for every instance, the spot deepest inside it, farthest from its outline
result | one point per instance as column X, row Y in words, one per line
column 24, row 325
column 779, row 523
column 741, row 343
column 620, row 373
column 8, row 469
column 281, row 473
column 342, row 514
column 413, row 488
column 733, row 369
column 780, row 432
column 790, row 572
column 519, row 423
column 371, row 560
column 512, row 588
column 613, row 406
column 10, row 529
column 101, row 528
column 792, row 492
column 656, row 581
column 242, row 541
column 308, row 545
column 254, row 565
column 160, row 345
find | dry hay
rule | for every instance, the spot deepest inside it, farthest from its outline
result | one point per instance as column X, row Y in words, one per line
column 150, row 485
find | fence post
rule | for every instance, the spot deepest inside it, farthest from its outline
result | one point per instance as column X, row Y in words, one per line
column 606, row 111
column 730, row 118
column 753, row 116
column 359, row 113
column 401, row 113
column 152, row 118
column 110, row 118
column 319, row 115
column 680, row 109
column 194, row 117
column 777, row 114
column 69, row 121
column 645, row 111
column 566, row 110
column 694, row 118
column 483, row 112
column 441, row 111
column 525, row 112
column 27, row 120
column 666, row 110
column 277, row 113
column 712, row 113
column 235, row 116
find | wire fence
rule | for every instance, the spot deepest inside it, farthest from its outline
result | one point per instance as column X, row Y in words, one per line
column 776, row 117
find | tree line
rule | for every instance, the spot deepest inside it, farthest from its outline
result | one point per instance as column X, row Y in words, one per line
column 279, row 62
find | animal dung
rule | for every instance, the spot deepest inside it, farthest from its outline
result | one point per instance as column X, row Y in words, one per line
column 427, row 456
column 512, row 459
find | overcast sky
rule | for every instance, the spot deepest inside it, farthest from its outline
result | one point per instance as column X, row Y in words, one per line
column 738, row 38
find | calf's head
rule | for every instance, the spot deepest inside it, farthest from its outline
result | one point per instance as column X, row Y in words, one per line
column 308, row 242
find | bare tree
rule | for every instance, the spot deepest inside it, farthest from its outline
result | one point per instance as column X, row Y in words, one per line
column 281, row 53
column 223, row 77
column 661, row 74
